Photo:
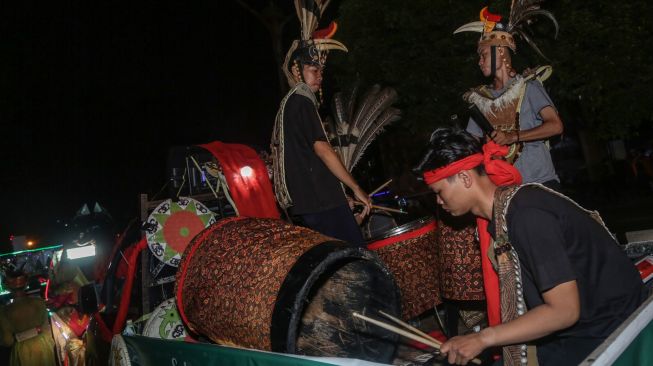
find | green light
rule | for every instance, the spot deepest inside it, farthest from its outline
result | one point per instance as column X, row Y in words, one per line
column 30, row 250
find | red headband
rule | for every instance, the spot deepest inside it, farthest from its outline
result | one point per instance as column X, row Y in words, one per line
column 499, row 171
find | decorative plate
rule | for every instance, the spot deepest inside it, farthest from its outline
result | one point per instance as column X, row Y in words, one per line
column 165, row 323
column 172, row 225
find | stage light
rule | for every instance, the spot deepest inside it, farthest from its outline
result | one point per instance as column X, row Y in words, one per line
column 81, row 252
column 246, row 171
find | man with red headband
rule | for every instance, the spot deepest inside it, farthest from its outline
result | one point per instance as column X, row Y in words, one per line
column 564, row 283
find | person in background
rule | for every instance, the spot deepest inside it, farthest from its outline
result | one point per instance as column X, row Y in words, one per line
column 24, row 325
column 520, row 111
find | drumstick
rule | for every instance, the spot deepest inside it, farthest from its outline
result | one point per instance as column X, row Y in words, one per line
column 410, row 327
column 380, row 187
column 397, row 330
column 383, row 208
column 430, row 341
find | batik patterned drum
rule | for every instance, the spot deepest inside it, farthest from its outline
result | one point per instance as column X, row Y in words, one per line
column 411, row 254
column 461, row 276
column 266, row 284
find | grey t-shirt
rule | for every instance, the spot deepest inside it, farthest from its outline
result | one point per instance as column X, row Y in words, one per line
column 534, row 163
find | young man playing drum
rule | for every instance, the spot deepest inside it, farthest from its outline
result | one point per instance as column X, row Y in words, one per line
column 307, row 171
column 564, row 283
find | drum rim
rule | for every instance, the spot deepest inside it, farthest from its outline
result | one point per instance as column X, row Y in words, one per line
column 401, row 229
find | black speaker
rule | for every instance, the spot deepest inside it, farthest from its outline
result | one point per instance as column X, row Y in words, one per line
column 185, row 171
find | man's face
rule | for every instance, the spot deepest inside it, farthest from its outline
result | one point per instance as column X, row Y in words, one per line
column 485, row 60
column 452, row 195
column 313, row 76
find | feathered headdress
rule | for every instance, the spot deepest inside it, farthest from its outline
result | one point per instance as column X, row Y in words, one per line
column 494, row 32
column 357, row 125
column 313, row 46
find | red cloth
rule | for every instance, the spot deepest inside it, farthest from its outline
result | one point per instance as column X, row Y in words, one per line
column 446, row 171
column 253, row 195
column 78, row 325
column 132, row 260
column 499, row 171
column 490, row 276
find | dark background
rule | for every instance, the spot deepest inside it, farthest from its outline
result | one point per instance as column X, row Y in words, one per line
column 94, row 94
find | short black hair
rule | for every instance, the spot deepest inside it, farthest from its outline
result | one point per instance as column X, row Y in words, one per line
column 448, row 144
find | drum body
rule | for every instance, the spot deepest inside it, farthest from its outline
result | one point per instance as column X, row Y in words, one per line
column 461, row 276
column 266, row 284
column 410, row 251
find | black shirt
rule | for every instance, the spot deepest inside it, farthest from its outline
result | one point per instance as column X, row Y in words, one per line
column 558, row 242
column 312, row 186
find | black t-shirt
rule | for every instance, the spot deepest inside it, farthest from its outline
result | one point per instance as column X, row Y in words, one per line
column 312, row 186
column 558, row 242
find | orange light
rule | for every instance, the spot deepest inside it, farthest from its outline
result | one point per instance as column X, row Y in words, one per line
column 30, row 243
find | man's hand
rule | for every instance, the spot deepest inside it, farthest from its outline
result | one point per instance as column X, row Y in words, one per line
column 364, row 198
column 461, row 350
column 504, row 138
column 561, row 310
column 360, row 216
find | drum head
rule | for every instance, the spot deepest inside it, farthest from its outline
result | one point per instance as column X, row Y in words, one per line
column 377, row 224
column 404, row 228
column 173, row 225
column 165, row 323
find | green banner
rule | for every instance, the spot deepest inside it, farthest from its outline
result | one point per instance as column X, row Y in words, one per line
column 639, row 352
column 145, row 351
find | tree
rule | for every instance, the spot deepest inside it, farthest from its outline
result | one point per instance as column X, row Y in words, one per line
column 274, row 18
column 602, row 59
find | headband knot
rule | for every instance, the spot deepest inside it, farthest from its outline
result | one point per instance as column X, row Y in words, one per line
column 498, row 170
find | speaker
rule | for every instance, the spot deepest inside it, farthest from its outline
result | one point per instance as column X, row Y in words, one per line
column 186, row 173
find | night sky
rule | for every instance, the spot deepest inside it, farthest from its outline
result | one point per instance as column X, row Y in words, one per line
column 94, row 95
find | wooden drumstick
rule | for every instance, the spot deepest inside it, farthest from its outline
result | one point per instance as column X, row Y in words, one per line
column 425, row 335
column 394, row 329
column 380, row 187
column 383, row 208
column 410, row 327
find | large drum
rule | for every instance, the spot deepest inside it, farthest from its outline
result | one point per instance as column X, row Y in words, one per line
column 410, row 251
column 461, row 276
column 266, row 284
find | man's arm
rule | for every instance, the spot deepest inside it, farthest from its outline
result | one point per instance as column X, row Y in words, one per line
column 561, row 309
column 551, row 126
column 331, row 159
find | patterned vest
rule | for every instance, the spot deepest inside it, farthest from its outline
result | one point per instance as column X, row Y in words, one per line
column 277, row 146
